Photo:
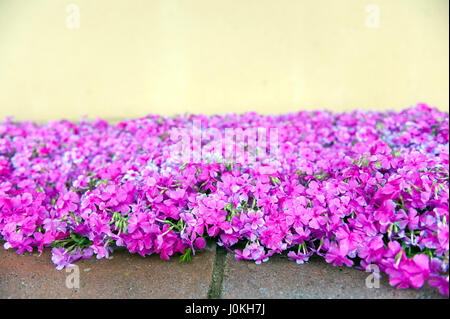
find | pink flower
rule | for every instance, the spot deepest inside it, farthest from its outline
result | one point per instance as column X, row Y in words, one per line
column 67, row 203
column 338, row 256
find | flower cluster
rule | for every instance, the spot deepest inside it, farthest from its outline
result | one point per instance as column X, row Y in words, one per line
column 357, row 188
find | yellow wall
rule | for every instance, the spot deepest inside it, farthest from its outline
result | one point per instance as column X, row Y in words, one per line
column 134, row 57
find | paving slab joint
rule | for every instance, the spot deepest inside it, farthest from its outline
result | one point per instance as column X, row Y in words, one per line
column 215, row 285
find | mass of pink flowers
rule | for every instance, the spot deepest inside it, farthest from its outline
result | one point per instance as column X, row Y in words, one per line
column 360, row 189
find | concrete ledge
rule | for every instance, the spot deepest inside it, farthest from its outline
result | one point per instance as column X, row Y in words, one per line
column 282, row 278
column 125, row 275
column 212, row 274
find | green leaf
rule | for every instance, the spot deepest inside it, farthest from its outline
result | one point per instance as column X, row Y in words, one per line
column 186, row 256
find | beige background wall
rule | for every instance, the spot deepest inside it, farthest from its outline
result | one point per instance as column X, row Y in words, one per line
column 134, row 57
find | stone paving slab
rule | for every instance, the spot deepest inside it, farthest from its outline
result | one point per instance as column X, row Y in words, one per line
column 124, row 276
column 282, row 278
column 128, row 275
